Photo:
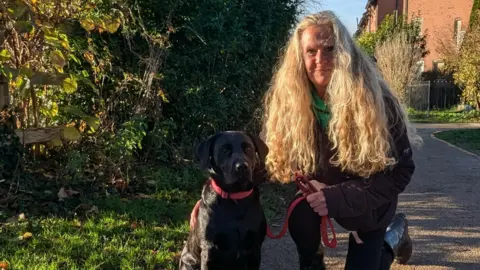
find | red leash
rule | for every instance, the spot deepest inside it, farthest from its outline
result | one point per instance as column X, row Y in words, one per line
column 303, row 184
column 307, row 188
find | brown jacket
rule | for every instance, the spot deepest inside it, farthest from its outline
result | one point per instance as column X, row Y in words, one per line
column 359, row 204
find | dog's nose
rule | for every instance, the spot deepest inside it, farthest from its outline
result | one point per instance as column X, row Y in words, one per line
column 241, row 166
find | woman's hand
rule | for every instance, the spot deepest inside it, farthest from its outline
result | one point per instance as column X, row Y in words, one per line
column 317, row 200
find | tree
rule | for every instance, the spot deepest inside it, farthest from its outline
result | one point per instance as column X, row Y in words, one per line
column 474, row 13
column 397, row 61
column 389, row 27
column 468, row 67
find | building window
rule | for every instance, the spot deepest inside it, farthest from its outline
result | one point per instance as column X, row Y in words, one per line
column 438, row 65
column 458, row 33
column 420, row 67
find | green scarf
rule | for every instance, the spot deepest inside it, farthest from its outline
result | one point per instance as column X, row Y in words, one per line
column 320, row 109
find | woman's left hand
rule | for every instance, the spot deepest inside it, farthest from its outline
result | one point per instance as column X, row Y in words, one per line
column 317, row 200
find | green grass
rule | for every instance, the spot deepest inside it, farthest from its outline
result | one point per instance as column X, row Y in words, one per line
column 445, row 116
column 468, row 139
column 128, row 234
column 137, row 231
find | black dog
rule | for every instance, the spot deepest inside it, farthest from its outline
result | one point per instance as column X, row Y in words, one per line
column 231, row 225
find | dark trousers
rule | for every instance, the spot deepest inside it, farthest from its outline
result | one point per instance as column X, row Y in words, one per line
column 304, row 228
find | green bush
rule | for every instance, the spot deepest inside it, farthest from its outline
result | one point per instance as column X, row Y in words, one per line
column 388, row 28
column 11, row 152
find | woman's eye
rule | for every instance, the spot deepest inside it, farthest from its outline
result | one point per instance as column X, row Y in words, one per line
column 329, row 48
column 311, row 52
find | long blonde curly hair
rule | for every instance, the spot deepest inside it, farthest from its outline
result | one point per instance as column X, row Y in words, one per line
column 358, row 129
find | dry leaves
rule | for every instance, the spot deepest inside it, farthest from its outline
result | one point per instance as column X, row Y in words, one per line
column 3, row 266
column 64, row 193
column 25, row 236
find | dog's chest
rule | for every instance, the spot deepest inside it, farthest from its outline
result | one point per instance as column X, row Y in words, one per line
column 235, row 228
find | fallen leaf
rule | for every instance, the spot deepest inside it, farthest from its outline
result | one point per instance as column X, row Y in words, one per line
column 133, row 226
column 62, row 194
column 71, row 192
column 3, row 266
column 142, row 196
column 77, row 223
column 27, row 235
column 21, row 217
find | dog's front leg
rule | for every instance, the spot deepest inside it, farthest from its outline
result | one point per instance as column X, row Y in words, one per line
column 209, row 259
column 187, row 261
column 254, row 259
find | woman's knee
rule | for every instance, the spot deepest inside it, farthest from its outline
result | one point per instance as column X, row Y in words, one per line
column 304, row 226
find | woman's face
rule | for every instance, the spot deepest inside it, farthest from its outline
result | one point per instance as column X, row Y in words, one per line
column 317, row 49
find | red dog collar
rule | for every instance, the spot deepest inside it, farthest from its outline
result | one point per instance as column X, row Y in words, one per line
column 226, row 195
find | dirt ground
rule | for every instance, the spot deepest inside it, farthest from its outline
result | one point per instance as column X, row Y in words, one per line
column 441, row 204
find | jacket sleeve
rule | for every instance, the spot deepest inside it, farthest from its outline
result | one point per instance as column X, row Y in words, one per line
column 355, row 197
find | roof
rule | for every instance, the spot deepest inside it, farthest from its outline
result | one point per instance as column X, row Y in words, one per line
column 365, row 16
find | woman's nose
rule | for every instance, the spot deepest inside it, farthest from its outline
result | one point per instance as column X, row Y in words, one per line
column 321, row 57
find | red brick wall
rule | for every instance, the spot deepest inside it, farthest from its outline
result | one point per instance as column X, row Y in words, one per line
column 386, row 7
column 438, row 20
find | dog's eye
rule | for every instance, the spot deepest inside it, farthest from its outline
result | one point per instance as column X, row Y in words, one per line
column 248, row 149
column 226, row 150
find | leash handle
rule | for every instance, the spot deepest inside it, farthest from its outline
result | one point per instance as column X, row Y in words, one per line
column 333, row 243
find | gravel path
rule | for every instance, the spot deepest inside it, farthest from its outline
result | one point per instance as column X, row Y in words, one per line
column 441, row 203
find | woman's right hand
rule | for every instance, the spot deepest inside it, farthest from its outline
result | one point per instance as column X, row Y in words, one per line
column 317, row 200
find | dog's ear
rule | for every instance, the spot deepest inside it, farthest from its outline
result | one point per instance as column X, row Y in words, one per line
column 260, row 147
column 259, row 174
column 203, row 152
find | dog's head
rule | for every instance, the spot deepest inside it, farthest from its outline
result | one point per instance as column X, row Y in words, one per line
column 231, row 157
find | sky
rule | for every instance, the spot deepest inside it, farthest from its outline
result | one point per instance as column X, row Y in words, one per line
column 347, row 10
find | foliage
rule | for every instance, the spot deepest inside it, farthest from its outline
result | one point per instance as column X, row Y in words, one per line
column 468, row 67
column 388, row 28
column 226, row 51
column 444, row 116
column 474, row 13
column 397, row 61
column 10, row 152
column 38, row 50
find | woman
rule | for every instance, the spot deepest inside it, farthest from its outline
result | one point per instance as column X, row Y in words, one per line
column 330, row 115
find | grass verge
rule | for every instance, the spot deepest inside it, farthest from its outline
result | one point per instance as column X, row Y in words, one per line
column 98, row 231
column 447, row 116
column 468, row 139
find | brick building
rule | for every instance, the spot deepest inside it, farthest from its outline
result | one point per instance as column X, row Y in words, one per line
column 442, row 19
